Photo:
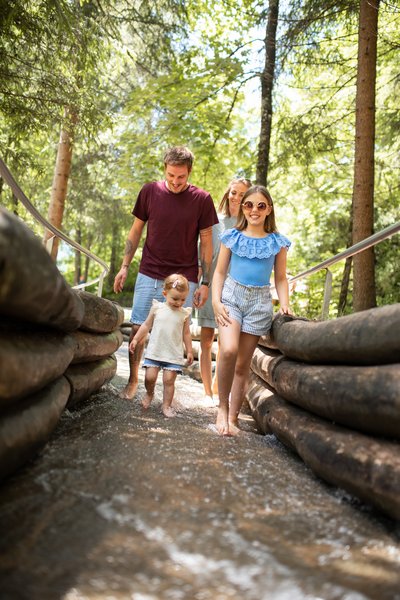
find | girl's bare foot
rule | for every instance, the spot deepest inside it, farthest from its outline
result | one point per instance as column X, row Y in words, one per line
column 146, row 401
column 168, row 411
column 234, row 427
column 222, row 421
column 128, row 391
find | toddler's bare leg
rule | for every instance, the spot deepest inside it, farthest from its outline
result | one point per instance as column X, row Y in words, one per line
column 169, row 378
column 150, row 381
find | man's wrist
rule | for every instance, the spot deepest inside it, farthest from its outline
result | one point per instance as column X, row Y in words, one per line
column 125, row 267
column 206, row 283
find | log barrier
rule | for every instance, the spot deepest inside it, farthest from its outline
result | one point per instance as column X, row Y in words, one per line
column 330, row 391
column 56, row 344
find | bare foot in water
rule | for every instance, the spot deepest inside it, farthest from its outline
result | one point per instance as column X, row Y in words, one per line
column 146, row 401
column 168, row 412
column 234, row 427
column 128, row 392
column 222, row 421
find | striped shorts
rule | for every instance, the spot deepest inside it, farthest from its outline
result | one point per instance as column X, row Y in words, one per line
column 250, row 306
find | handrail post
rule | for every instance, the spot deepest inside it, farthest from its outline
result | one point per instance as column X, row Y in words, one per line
column 49, row 244
column 327, row 295
column 100, row 288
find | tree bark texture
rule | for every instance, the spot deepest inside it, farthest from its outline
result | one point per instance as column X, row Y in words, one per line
column 267, row 84
column 367, row 338
column 366, row 467
column 25, row 428
column 85, row 379
column 364, row 293
column 61, row 177
column 364, row 398
column 31, row 286
column 101, row 315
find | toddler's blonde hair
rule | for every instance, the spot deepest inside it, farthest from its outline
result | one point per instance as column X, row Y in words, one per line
column 176, row 281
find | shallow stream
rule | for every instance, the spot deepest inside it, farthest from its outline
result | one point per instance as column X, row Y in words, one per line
column 125, row 504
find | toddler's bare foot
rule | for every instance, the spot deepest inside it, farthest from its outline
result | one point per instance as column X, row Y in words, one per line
column 168, row 411
column 128, row 391
column 146, row 401
column 222, row 421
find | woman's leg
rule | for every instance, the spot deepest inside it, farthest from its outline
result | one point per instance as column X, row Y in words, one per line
column 214, row 386
column 169, row 377
column 150, row 380
column 229, row 344
column 247, row 345
column 206, row 342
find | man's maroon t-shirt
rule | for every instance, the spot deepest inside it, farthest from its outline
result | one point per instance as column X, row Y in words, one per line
column 173, row 225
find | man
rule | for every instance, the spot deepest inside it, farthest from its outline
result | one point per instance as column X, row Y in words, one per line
column 176, row 213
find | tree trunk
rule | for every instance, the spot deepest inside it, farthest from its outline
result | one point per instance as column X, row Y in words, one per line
column 60, row 180
column 364, row 293
column 267, row 83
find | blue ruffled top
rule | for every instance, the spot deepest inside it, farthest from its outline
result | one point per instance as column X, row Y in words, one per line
column 244, row 249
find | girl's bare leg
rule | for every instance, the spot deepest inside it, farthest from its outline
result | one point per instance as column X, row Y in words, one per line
column 229, row 346
column 168, row 392
column 149, row 383
column 206, row 342
column 247, row 345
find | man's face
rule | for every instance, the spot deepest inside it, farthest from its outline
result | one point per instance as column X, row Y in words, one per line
column 176, row 177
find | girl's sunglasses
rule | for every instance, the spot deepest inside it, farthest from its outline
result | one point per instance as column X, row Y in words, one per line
column 250, row 205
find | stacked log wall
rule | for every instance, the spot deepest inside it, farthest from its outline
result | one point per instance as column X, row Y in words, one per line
column 330, row 391
column 56, row 344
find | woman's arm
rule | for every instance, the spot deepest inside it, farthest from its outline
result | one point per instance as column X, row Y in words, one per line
column 221, row 270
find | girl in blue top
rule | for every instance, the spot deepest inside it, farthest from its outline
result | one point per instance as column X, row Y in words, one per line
column 242, row 300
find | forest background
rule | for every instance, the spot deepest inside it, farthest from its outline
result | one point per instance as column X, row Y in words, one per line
column 113, row 84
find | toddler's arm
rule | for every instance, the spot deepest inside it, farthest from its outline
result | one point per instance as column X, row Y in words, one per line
column 142, row 332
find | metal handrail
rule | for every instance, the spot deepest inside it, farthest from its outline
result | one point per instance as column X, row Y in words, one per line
column 372, row 240
column 19, row 194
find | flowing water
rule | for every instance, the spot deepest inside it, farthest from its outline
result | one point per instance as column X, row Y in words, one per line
column 125, row 504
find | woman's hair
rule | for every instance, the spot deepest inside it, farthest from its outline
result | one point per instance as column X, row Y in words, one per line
column 224, row 204
column 269, row 223
column 179, row 155
column 176, row 281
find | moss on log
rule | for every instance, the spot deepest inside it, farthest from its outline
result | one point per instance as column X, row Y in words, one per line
column 30, row 358
column 100, row 315
column 370, row 337
column 26, row 427
column 31, row 287
column 364, row 398
column 366, row 467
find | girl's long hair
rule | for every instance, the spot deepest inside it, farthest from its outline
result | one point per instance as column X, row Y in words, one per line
column 223, row 207
column 269, row 223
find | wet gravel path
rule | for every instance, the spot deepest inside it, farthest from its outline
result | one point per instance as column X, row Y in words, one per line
column 125, row 504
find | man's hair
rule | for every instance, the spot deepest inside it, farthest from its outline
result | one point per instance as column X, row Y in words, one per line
column 179, row 155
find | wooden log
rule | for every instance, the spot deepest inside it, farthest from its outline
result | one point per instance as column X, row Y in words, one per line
column 86, row 379
column 364, row 466
column 31, row 356
column 94, row 346
column 370, row 337
column 25, row 428
column 363, row 398
column 31, row 287
column 101, row 315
